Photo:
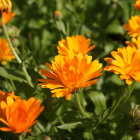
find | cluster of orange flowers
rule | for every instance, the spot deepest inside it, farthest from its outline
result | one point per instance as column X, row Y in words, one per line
column 72, row 68
column 126, row 61
column 17, row 114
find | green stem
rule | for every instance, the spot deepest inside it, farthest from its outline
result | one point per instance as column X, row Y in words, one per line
column 113, row 109
column 15, row 54
column 20, row 137
column 86, row 114
column 9, row 41
column 122, row 100
column 27, row 75
column 129, row 91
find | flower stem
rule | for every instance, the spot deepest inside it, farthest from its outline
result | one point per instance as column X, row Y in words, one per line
column 122, row 100
column 15, row 54
column 86, row 114
column 9, row 42
column 27, row 75
column 20, row 137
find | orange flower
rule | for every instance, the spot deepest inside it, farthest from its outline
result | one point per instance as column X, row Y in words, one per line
column 126, row 62
column 7, row 17
column 5, row 51
column 134, row 43
column 5, row 6
column 20, row 114
column 133, row 26
column 3, row 97
column 137, row 4
column 69, row 73
column 75, row 44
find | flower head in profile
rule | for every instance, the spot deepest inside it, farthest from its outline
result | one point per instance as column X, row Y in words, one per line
column 126, row 62
column 137, row 4
column 7, row 17
column 70, row 73
column 133, row 26
column 74, row 45
column 5, row 6
column 5, row 51
column 19, row 115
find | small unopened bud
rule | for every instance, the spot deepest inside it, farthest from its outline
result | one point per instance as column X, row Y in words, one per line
column 137, row 135
column 47, row 138
column 135, row 117
column 13, row 31
column 15, row 42
column 135, row 114
column 5, row 6
column 57, row 14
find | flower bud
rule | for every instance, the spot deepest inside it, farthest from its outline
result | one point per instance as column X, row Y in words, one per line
column 47, row 138
column 57, row 14
column 15, row 42
column 135, row 114
column 13, row 31
column 137, row 135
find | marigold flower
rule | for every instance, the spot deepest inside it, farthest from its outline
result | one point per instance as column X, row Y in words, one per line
column 69, row 73
column 137, row 4
column 4, row 96
column 7, row 17
column 134, row 43
column 5, row 51
column 5, row 6
column 75, row 44
column 133, row 26
column 20, row 114
column 126, row 62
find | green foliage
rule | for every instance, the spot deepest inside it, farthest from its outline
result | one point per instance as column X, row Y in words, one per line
column 99, row 101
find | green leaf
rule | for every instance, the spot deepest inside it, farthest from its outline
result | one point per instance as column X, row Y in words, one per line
column 36, row 24
column 61, row 26
column 39, row 137
column 69, row 126
column 99, row 101
column 127, row 137
column 115, row 29
column 88, row 135
column 12, row 75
